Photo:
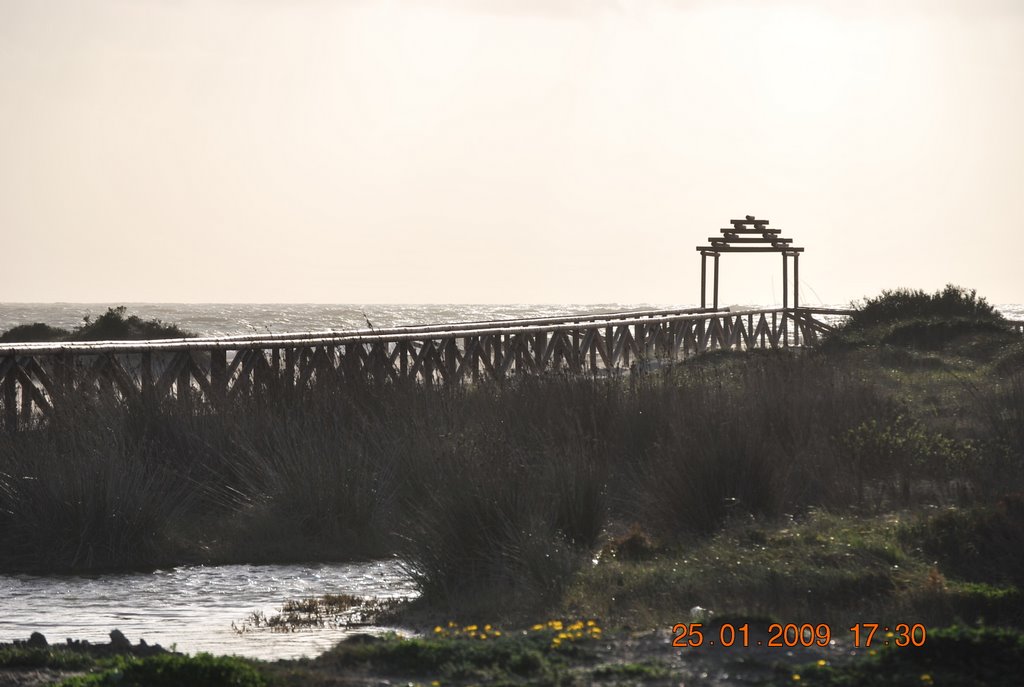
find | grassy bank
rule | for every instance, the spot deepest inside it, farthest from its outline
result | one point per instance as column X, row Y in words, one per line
column 877, row 478
column 557, row 652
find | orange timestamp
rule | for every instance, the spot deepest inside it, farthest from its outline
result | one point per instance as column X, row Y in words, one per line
column 789, row 635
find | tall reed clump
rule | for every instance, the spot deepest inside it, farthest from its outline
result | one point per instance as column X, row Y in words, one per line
column 312, row 478
column 504, row 493
column 756, row 439
column 82, row 496
column 129, row 485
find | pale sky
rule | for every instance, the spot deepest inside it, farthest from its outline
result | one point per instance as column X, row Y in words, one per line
column 541, row 151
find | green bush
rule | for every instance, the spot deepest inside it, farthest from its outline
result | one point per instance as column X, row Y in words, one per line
column 900, row 451
column 981, row 544
column 174, row 670
column 905, row 304
column 915, row 318
column 955, row 656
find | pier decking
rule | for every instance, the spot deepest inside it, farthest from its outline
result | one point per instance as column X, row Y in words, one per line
column 36, row 379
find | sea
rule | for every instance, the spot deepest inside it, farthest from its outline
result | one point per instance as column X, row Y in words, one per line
column 225, row 319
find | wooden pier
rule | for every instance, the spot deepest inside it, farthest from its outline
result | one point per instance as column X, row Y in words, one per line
column 36, row 379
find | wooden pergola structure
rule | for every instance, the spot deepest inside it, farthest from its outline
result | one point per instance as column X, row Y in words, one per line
column 750, row 235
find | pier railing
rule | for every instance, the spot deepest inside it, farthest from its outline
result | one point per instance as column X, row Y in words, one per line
column 36, row 379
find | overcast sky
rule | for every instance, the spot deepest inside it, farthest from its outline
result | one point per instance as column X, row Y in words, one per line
column 500, row 151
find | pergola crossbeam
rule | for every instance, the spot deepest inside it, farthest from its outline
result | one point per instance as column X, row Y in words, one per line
column 761, row 239
column 749, row 249
column 734, row 230
column 751, row 235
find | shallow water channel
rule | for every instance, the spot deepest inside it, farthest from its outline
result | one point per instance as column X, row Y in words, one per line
column 192, row 607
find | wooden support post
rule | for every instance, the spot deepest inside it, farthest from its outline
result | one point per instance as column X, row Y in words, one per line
column 146, row 374
column 609, row 344
column 499, row 356
column 185, row 387
column 10, row 401
column 785, row 298
column 716, row 281
column 66, row 374
column 26, row 402
column 291, row 356
column 472, row 357
column 428, row 362
column 577, row 355
column 796, row 280
column 275, row 366
column 785, row 282
column 403, row 359
column 451, row 359
column 796, row 297
column 703, row 279
column 218, row 376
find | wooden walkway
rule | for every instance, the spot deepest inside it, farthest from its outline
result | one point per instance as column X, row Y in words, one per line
column 36, row 379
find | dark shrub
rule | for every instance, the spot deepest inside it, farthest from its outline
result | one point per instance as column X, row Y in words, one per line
column 33, row 332
column 113, row 325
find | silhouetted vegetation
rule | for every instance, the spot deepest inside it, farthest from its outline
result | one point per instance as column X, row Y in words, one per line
column 851, row 479
column 900, row 305
column 38, row 331
column 113, row 325
column 911, row 317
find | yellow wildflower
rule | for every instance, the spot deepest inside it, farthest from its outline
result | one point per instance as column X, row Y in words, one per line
column 821, row 661
column 796, row 677
column 591, row 623
column 470, row 628
column 497, row 633
column 537, row 628
column 438, row 630
column 926, row 678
